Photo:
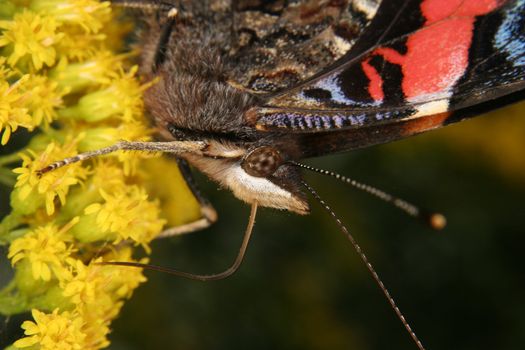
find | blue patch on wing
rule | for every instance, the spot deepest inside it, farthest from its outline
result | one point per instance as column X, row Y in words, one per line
column 510, row 36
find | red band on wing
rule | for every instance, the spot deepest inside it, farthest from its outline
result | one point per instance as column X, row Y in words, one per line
column 436, row 10
column 437, row 55
column 375, row 86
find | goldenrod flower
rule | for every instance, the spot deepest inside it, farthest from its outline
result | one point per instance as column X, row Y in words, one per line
column 59, row 74
column 107, row 176
column 90, row 15
column 82, row 22
column 78, row 47
column 97, row 329
column 122, row 282
column 121, row 99
column 83, row 285
column 96, row 291
column 100, row 69
column 127, row 214
column 43, row 97
column 100, row 137
column 31, row 101
column 13, row 111
column 45, row 249
column 5, row 72
column 30, row 35
column 88, row 285
column 31, row 191
column 55, row 331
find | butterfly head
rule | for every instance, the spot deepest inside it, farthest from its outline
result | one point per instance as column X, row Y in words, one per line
column 253, row 172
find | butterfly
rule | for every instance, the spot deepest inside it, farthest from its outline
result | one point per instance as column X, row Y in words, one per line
column 247, row 89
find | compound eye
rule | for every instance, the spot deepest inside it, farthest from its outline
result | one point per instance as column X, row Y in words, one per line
column 262, row 161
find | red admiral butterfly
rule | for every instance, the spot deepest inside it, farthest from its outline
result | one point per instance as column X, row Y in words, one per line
column 248, row 88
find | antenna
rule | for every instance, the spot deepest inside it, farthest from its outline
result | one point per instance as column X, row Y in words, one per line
column 369, row 266
column 436, row 221
column 204, row 278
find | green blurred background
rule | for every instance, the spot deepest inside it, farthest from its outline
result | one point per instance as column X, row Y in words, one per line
column 302, row 286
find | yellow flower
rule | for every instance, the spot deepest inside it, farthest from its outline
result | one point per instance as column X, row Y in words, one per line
column 123, row 281
column 29, row 102
column 100, row 69
column 43, row 99
column 45, row 248
column 97, row 292
column 5, row 72
column 80, row 46
column 84, row 284
column 53, row 331
column 51, row 185
column 13, row 112
column 129, row 214
column 122, row 99
column 59, row 72
column 90, row 15
column 107, row 136
column 97, row 328
column 88, row 285
column 32, row 35
column 106, row 175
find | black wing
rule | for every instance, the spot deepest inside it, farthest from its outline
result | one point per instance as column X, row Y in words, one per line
column 419, row 65
column 275, row 45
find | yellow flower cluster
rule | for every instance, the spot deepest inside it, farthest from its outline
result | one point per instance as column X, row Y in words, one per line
column 61, row 78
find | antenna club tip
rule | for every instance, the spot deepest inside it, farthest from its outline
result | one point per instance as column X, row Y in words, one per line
column 437, row 221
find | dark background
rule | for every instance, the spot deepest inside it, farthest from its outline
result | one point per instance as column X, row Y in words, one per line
column 302, row 286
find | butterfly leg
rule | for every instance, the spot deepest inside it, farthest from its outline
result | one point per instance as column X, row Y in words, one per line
column 174, row 147
column 209, row 215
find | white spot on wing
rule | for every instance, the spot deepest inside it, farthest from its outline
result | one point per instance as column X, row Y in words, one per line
column 368, row 7
column 341, row 45
column 332, row 84
column 430, row 108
